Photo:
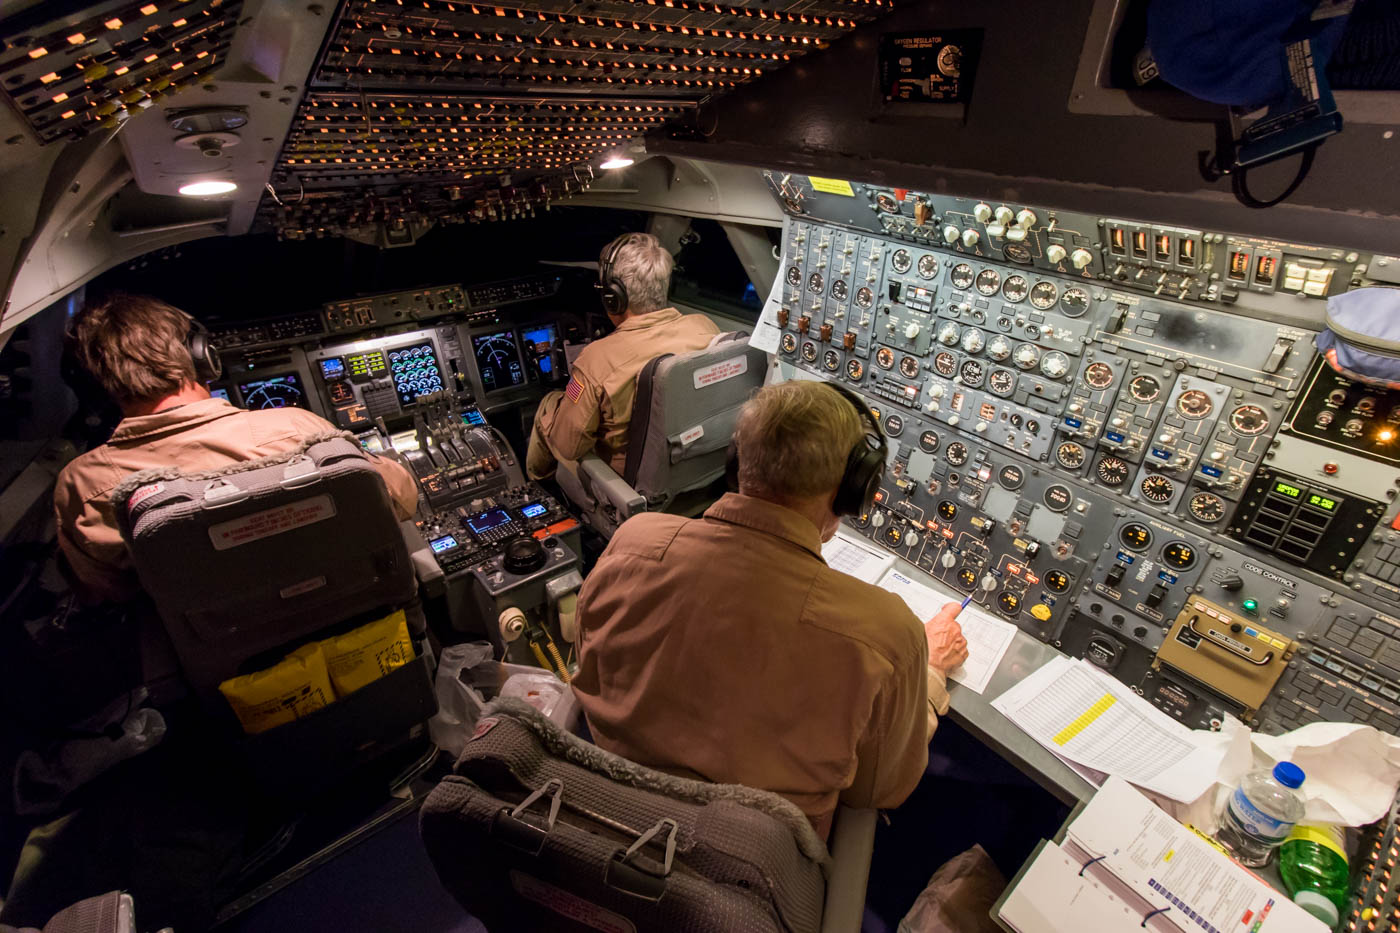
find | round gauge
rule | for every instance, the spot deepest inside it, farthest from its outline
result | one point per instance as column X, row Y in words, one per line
column 1135, row 536
column 794, row 276
column 973, row 340
column 1069, row 454
column 1015, row 288
column 1179, row 555
column 1018, row 253
column 1044, row 295
column 1207, row 507
column 1099, row 375
column 1011, row 477
column 894, row 425
column 839, row 290
column 1056, row 581
column 809, row 351
column 1055, row 364
column 1074, row 302
column 967, row 578
column 1112, row 471
column 864, row 297
column 887, row 203
column 1001, row 381
column 988, row 282
column 945, row 364
column 1057, row 498
column 961, row 276
column 884, row 358
column 1157, row 488
column 831, row 360
column 1144, row 388
column 814, row 282
column 789, row 343
column 971, row 373
column 948, row 333
column 1027, row 356
column 955, row 453
column 999, row 348
column 901, row 260
column 928, row 266
column 854, row 370
column 1008, row 602
column 928, row 442
column 947, row 510
column 1249, row 420
column 1194, row 404
column 909, row 367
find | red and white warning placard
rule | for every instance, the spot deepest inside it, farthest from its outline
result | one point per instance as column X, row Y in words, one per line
column 271, row 522
column 718, row 372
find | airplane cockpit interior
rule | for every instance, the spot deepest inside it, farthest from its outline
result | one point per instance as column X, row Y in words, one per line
column 664, row 465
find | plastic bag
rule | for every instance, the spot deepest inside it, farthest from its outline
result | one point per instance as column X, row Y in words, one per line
column 543, row 691
column 959, row 897
column 458, row 703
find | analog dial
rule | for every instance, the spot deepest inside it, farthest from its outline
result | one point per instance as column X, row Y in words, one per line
column 864, row 297
column 973, row 340
column 1056, row 581
column 1044, row 295
column 1249, row 420
column 1112, row 471
column 961, row 276
column 948, row 333
column 1001, row 381
column 1179, row 555
column 854, row 370
column 945, row 364
column 1017, row 252
column 789, row 343
column 1207, row 507
column 901, row 260
column 999, row 348
column 1157, row 488
column 909, row 367
column 1069, row 454
column 928, row 266
column 1193, row 403
column 1144, row 388
column 988, row 282
column 894, row 425
column 1055, row 364
column 1015, row 288
column 794, row 276
column 839, row 290
column 809, row 351
column 1027, row 356
column 884, row 358
column 928, row 442
column 1074, row 302
column 814, row 282
column 831, row 360
column 1099, row 375
column 956, row 453
column 1135, row 536
column 887, row 203
column 971, row 373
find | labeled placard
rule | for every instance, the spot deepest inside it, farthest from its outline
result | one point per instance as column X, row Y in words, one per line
column 929, row 67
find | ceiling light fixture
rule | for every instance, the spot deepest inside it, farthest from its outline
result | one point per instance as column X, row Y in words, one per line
column 616, row 161
column 197, row 189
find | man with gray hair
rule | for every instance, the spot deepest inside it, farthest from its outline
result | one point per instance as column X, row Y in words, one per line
column 725, row 649
column 594, row 411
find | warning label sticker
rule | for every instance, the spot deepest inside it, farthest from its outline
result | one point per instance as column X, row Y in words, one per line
column 718, row 372
column 271, row 522
column 569, row 905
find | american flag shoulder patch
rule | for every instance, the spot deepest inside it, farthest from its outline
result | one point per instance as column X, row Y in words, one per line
column 574, row 390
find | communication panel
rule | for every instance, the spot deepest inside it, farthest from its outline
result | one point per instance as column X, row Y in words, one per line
column 1118, row 436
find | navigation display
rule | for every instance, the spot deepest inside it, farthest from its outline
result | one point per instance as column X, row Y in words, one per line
column 415, row 372
column 281, row 391
column 498, row 360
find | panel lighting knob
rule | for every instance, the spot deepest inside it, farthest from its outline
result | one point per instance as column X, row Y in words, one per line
column 981, row 427
column 947, row 560
column 1004, row 214
column 911, row 330
column 989, row 582
column 936, row 391
column 950, row 233
column 1075, row 408
column 1081, row 258
column 970, row 238
column 983, row 213
column 1025, row 217
column 1016, row 234
column 877, row 519
column 1055, row 253
column 1117, row 422
column 953, row 421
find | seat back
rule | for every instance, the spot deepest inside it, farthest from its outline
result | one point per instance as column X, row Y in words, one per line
column 247, row 559
column 684, row 415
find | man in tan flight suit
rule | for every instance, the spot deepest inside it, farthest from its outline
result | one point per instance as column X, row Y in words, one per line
column 137, row 349
column 725, row 649
column 593, row 412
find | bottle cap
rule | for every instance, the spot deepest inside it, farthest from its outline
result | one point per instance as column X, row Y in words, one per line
column 1318, row 905
column 1288, row 774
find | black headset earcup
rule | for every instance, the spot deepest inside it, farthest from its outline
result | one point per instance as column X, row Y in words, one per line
column 207, row 364
column 731, row 467
column 864, row 467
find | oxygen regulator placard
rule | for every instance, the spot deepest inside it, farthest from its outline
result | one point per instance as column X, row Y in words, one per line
column 929, row 67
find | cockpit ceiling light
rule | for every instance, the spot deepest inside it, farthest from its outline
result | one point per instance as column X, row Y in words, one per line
column 617, row 161
column 196, row 189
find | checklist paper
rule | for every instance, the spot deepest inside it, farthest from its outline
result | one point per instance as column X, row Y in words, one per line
column 853, row 557
column 987, row 638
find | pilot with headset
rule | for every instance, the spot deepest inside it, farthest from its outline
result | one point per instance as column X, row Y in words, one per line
column 592, row 413
column 156, row 361
column 725, row 649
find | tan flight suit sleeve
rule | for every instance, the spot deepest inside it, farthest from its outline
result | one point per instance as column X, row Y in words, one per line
column 92, row 546
column 570, row 426
column 403, row 491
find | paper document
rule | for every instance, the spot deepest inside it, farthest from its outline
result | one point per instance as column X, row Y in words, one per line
column 766, row 332
column 987, row 638
column 1054, row 896
column 850, row 555
column 1092, row 720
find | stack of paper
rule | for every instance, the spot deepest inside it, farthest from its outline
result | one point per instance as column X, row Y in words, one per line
column 987, row 638
column 851, row 555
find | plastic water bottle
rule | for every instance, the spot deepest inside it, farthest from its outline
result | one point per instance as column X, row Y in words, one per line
column 1313, row 864
column 1261, row 813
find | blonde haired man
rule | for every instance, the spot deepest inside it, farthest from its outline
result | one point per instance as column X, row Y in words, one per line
column 593, row 412
column 137, row 348
column 723, row 648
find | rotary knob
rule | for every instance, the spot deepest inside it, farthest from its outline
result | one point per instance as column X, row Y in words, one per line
column 1081, row 258
column 983, row 213
column 911, row 330
column 1016, row 234
column 1004, row 214
column 936, row 390
column 950, row 233
column 524, row 555
column 948, row 333
column 947, row 560
column 996, row 229
column 981, row 427
column 1055, row 253
column 1025, row 217
column 989, row 582
column 972, row 340
column 877, row 519
column 970, row 238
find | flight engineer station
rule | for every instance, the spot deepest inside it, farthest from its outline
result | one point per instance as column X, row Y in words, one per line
column 699, row 466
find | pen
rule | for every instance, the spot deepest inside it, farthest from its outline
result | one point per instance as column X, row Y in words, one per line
column 965, row 602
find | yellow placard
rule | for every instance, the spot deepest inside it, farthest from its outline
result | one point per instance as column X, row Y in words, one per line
column 364, row 655
column 831, row 186
column 295, row 687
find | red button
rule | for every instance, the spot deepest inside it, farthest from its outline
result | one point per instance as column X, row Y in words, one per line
column 901, row 193
column 1329, row 468
column 1395, row 523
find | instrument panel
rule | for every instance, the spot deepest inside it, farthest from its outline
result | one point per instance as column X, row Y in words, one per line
column 1118, row 436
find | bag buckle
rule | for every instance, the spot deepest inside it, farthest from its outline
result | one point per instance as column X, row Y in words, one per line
column 633, row 873
column 521, row 833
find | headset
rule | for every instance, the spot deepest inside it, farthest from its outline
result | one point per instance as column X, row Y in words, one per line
column 611, row 291
column 207, row 365
column 865, row 464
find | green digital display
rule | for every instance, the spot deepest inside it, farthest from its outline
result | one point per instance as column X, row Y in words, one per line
column 1322, row 502
column 1284, row 489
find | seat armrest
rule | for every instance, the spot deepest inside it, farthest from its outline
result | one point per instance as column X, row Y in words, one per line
column 607, row 488
column 852, row 844
column 425, row 566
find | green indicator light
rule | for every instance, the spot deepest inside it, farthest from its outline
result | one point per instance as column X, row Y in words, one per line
column 1249, row 605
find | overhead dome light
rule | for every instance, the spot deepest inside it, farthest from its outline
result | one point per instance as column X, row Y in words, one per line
column 617, row 161
column 196, row 189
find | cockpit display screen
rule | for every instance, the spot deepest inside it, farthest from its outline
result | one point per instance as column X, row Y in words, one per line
column 415, row 372
column 485, row 521
column 281, row 391
column 533, row 509
column 498, row 360
column 333, row 368
column 445, row 543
